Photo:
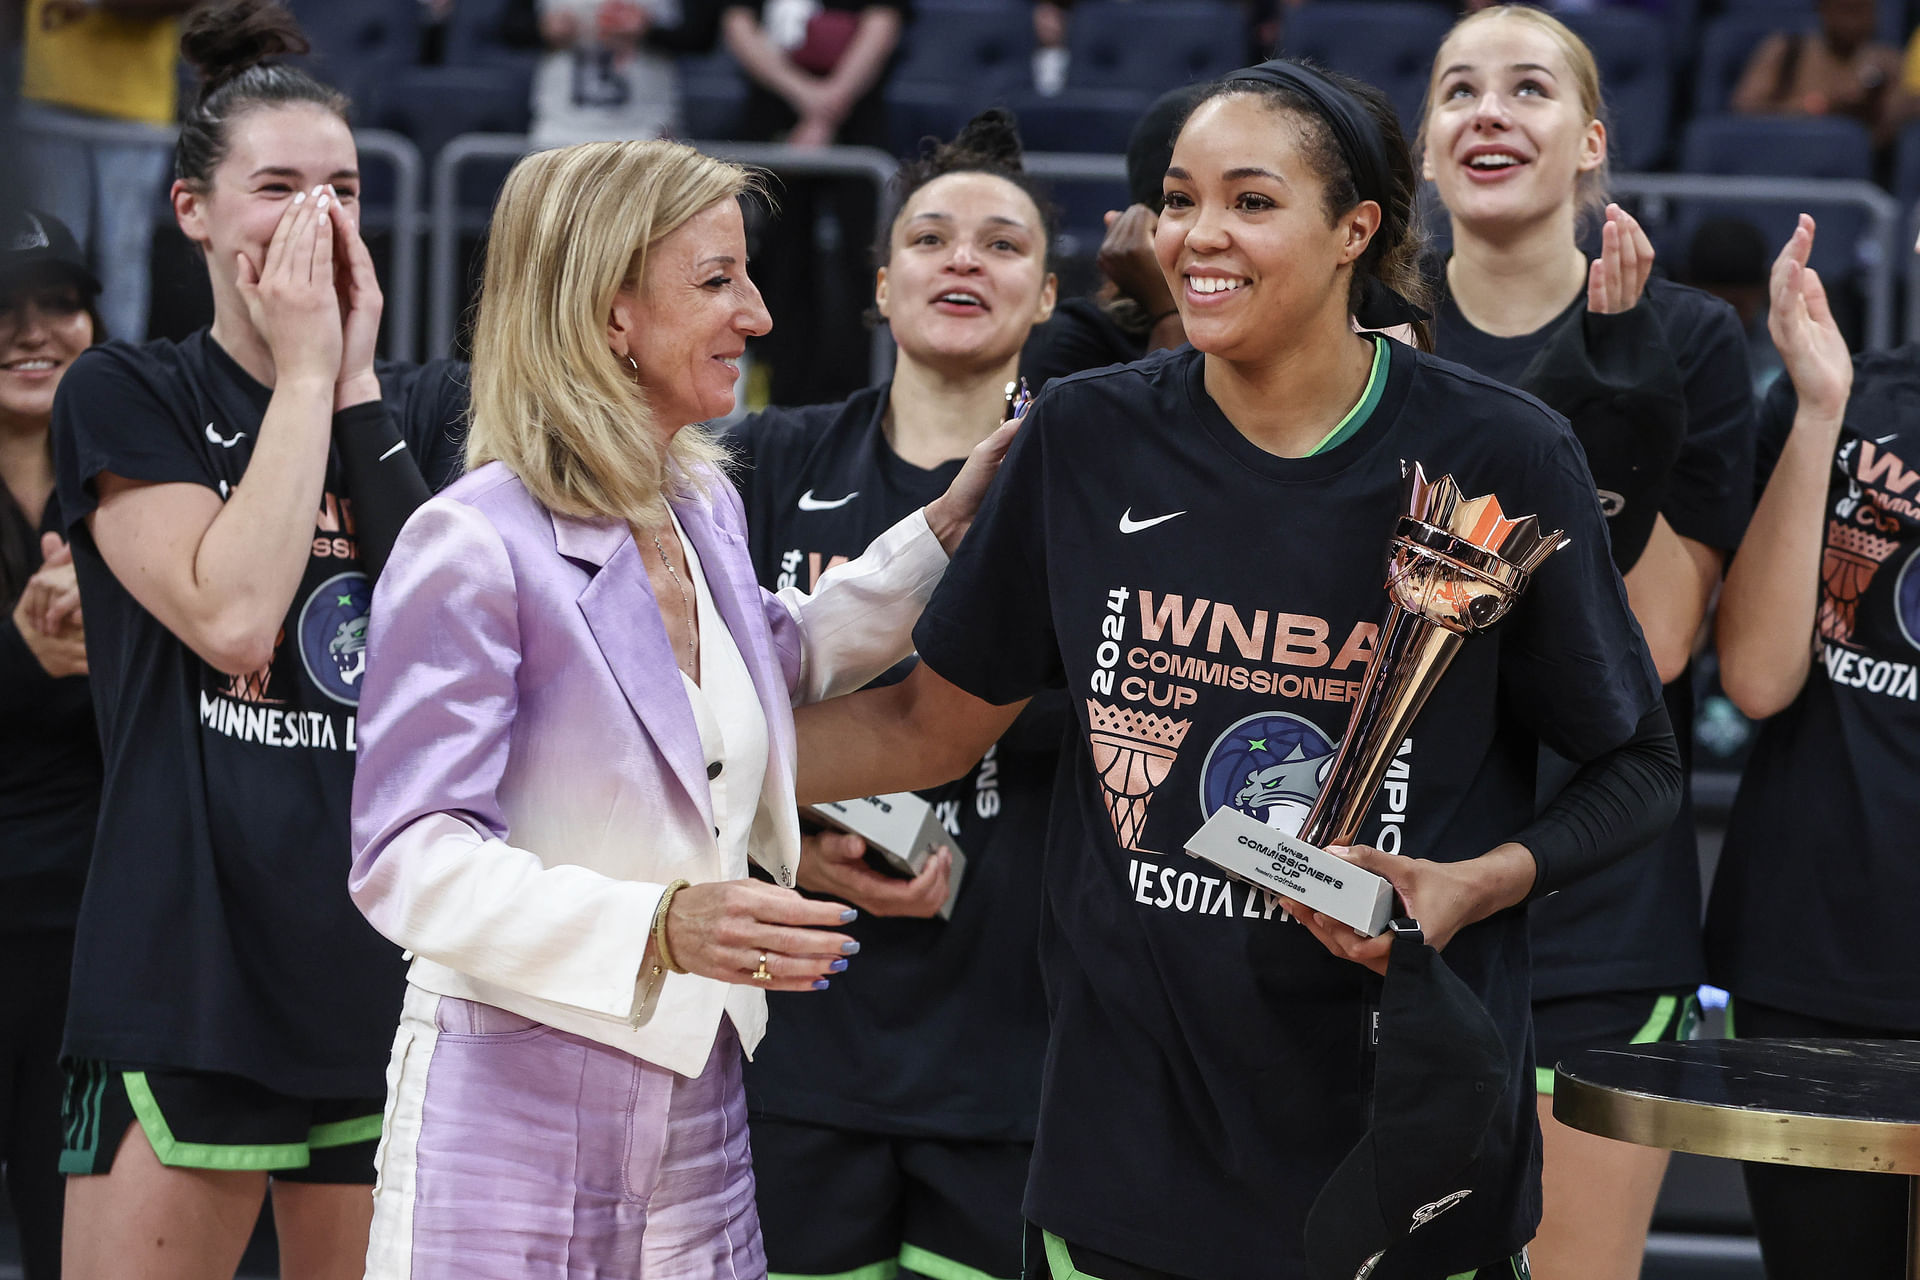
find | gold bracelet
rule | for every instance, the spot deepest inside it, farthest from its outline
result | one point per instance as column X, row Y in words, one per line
column 662, row 957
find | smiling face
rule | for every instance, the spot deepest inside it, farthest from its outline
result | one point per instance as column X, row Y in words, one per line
column 1508, row 134
column 966, row 276
column 272, row 154
column 1256, row 262
column 687, row 321
column 44, row 326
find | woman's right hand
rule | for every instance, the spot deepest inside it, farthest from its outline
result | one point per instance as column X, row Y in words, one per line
column 721, row 930
column 1126, row 258
column 1804, row 331
column 292, row 299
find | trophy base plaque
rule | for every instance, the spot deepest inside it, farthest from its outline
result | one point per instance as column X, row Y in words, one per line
column 901, row 828
column 1272, row 859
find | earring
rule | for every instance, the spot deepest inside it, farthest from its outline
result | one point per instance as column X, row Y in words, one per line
column 632, row 364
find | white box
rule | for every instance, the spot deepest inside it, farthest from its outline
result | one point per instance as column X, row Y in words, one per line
column 1271, row 858
column 902, row 828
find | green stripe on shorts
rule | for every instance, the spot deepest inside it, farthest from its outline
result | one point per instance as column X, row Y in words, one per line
column 1655, row 1029
column 1060, row 1262
column 343, row 1133
column 204, row 1155
column 886, row 1269
column 938, row 1266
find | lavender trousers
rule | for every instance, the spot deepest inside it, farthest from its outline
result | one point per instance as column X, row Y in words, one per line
column 513, row 1151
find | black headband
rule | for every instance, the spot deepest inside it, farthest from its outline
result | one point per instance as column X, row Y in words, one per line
column 1363, row 147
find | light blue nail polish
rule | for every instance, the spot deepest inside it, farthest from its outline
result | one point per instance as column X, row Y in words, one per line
column 849, row 948
column 849, row 916
column 821, row 985
column 838, row 966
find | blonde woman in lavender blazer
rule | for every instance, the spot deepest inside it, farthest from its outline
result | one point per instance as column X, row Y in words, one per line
column 578, row 698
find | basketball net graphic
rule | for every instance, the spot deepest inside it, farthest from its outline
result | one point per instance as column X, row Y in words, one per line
column 1847, row 566
column 252, row 686
column 1132, row 752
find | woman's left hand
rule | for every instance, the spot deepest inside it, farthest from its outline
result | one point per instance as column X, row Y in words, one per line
column 1444, row 897
column 950, row 514
column 1618, row 277
column 51, row 599
column 360, row 306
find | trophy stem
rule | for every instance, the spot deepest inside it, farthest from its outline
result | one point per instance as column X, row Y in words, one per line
column 1413, row 654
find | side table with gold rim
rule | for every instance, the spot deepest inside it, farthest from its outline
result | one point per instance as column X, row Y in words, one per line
column 1825, row 1104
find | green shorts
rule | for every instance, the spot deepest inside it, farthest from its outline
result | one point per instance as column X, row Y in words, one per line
column 205, row 1120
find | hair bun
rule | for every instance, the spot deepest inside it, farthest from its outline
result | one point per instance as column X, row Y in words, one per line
column 225, row 38
column 994, row 136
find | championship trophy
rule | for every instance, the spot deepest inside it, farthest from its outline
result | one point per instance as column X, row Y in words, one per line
column 1457, row 565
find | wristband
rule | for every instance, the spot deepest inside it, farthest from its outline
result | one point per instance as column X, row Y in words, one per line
column 662, row 957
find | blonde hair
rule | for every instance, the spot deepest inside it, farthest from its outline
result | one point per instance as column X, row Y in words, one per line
column 1590, row 190
column 572, row 228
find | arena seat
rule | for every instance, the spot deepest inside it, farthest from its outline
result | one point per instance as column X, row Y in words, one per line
column 1098, row 120
column 1906, row 166
column 1726, row 45
column 1789, row 147
column 713, row 93
column 433, row 105
column 955, row 57
column 1151, row 46
column 473, row 35
column 1389, row 43
column 358, row 42
column 1632, row 49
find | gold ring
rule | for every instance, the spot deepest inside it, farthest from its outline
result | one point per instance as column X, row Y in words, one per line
column 761, row 974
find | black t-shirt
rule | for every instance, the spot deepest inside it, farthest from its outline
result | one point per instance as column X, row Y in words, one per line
column 1081, row 334
column 216, row 933
column 49, row 768
column 1818, row 875
column 941, row 1029
column 1636, row 924
column 1211, row 610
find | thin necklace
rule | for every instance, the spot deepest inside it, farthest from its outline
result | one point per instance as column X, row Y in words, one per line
column 686, row 606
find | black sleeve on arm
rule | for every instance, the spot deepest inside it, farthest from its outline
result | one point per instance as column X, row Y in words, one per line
column 1618, row 802
column 382, row 478
column 1615, row 380
column 1710, row 491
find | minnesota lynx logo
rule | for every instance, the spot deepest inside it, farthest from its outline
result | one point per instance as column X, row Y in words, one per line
column 1133, row 751
column 333, row 635
column 1269, row 766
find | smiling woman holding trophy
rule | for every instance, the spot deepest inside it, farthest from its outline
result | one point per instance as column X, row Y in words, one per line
column 1240, row 1086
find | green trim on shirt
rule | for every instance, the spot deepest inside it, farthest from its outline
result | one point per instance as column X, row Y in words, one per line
column 1363, row 408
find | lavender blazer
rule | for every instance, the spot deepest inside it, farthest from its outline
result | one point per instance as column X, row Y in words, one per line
column 530, row 774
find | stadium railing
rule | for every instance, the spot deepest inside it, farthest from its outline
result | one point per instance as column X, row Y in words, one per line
column 399, row 275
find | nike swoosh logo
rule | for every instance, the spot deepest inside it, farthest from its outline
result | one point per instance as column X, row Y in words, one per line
column 214, row 437
column 1129, row 525
column 810, row 503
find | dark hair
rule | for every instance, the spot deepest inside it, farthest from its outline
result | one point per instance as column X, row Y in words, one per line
column 233, row 45
column 989, row 143
column 19, row 540
column 1393, row 256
